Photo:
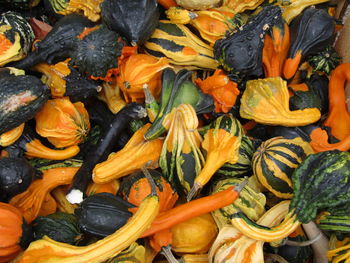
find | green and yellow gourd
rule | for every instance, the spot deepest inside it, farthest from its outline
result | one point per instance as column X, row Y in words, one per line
column 274, row 162
column 180, row 46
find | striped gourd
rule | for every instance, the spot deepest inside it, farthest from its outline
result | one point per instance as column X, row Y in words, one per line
column 275, row 160
column 243, row 166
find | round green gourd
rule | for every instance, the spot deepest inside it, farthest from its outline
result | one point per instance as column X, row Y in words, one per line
column 274, row 162
column 59, row 226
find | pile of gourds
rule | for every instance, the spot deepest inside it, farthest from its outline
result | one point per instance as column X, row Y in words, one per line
column 173, row 130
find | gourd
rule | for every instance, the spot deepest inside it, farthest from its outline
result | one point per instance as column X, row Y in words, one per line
column 47, row 249
column 137, row 71
column 59, row 226
column 65, row 80
column 311, row 31
column 62, row 122
column 140, row 18
column 134, row 189
column 221, row 88
column 275, row 160
column 221, row 143
column 195, row 235
column 177, row 89
column 239, row 6
column 20, row 4
column 134, row 253
column 16, row 37
column 180, row 46
column 241, row 51
column 267, row 101
column 16, row 234
column 134, row 155
column 29, row 145
column 22, row 97
column 90, row 8
column 95, row 51
column 324, row 61
column 321, row 181
column 9, row 137
column 181, row 159
column 102, row 214
column 16, row 175
column 58, row 43
column 338, row 118
column 30, row 201
column 243, row 165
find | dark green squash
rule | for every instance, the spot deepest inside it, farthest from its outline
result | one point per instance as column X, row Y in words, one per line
column 97, row 52
column 241, row 51
column 16, row 175
column 62, row 227
column 324, row 61
column 322, row 181
column 21, row 98
column 58, row 43
column 16, row 37
column 319, row 84
column 134, row 19
column 310, row 32
column 102, row 214
column 243, row 166
column 178, row 89
column 304, row 99
column 294, row 254
column 19, row 4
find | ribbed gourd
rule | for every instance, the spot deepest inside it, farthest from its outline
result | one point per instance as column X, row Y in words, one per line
column 275, row 160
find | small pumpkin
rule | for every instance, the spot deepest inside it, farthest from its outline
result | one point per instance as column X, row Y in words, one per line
column 267, row 101
column 139, row 70
column 62, row 122
column 195, row 235
column 16, row 234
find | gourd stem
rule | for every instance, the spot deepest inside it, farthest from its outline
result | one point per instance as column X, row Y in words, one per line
column 166, row 252
column 304, row 243
column 150, row 181
column 321, row 246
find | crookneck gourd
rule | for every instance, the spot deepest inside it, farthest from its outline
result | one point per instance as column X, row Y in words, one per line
column 58, row 43
column 267, row 101
column 275, row 160
column 177, row 89
column 62, row 122
column 241, row 51
column 221, row 144
column 21, row 98
column 140, row 18
column 180, row 46
column 320, row 182
column 310, row 32
column 16, row 37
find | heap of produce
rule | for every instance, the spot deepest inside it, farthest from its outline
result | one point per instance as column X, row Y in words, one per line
column 179, row 131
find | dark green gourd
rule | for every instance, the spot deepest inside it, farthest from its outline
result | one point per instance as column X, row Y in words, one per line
column 133, row 19
column 97, row 52
column 102, row 214
column 58, row 43
column 62, row 227
column 21, row 98
column 241, row 51
column 16, row 175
